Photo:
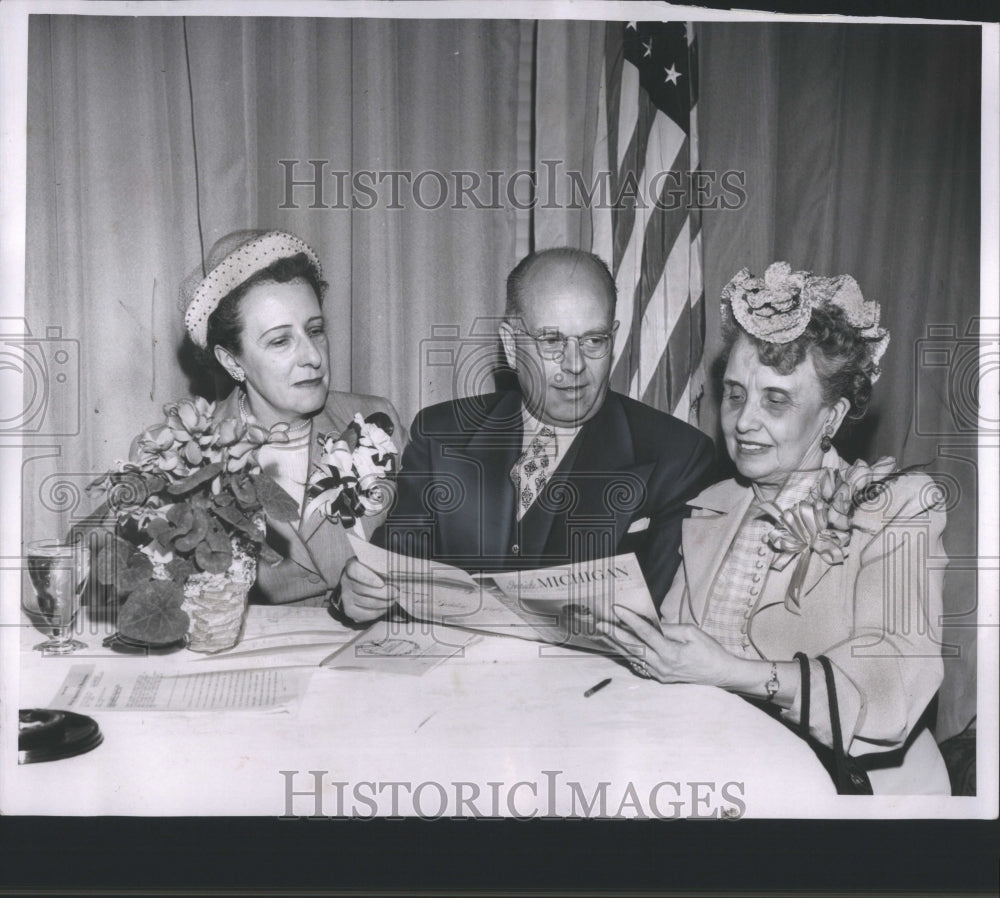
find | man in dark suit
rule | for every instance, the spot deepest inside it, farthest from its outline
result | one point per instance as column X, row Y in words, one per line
column 563, row 470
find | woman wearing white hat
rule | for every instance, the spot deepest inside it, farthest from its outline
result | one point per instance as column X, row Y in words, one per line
column 258, row 313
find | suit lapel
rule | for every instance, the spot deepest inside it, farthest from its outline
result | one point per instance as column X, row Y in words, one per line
column 494, row 446
column 719, row 510
column 584, row 485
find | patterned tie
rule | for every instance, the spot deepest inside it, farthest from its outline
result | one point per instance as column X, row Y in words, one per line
column 532, row 469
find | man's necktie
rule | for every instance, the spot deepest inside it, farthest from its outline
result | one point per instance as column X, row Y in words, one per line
column 533, row 468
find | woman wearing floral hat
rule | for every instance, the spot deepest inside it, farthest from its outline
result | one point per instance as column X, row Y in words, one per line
column 808, row 584
column 258, row 313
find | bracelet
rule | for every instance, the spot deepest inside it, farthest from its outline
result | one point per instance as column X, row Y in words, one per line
column 772, row 685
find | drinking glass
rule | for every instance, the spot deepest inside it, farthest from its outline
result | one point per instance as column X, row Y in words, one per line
column 58, row 573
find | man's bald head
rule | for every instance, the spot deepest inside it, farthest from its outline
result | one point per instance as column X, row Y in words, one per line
column 560, row 263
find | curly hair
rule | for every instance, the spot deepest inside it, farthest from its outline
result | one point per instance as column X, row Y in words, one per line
column 843, row 359
column 225, row 324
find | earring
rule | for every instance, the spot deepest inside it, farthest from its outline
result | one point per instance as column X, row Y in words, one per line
column 238, row 375
column 826, row 441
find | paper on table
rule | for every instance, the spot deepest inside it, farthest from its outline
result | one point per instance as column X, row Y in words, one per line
column 400, row 646
column 432, row 591
column 561, row 605
column 114, row 688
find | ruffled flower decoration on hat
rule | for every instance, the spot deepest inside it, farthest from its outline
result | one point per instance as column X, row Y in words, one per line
column 773, row 308
column 254, row 251
column 777, row 308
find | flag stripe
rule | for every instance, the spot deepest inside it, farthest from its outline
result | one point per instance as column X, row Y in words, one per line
column 660, row 236
column 623, row 213
column 693, row 85
column 600, row 215
column 670, row 376
column 628, row 114
column 647, row 142
column 614, row 60
column 647, row 249
column 662, row 312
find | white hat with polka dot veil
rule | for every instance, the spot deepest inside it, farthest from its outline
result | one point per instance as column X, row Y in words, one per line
column 233, row 259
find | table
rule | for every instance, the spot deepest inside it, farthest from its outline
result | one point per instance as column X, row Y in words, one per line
column 503, row 730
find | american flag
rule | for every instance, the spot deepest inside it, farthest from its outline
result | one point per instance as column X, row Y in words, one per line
column 647, row 143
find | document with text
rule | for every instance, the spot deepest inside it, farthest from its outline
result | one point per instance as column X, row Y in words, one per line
column 561, row 605
column 112, row 687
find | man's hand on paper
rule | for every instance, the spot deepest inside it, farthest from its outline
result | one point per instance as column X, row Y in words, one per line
column 364, row 594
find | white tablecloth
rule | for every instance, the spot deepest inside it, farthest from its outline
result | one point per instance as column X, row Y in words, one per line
column 503, row 730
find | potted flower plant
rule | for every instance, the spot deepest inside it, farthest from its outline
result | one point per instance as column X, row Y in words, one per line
column 190, row 507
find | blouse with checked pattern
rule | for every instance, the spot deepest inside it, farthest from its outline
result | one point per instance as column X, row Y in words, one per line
column 743, row 573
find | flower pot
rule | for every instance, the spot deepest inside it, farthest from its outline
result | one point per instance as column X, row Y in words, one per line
column 217, row 603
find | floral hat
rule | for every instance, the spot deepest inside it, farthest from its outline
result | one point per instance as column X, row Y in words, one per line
column 233, row 259
column 777, row 307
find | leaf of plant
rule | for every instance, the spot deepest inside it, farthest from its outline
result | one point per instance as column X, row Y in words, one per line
column 213, row 562
column 156, row 483
column 277, row 504
column 248, row 527
column 201, row 500
column 198, row 478
column 181, row 516
column 244, row 490
column 138, row 572
column 231, row 515
column 153, row 613
column 112, row 558
column 158, row 528
column 217, row 538
column 180, row 569
column 199, row 531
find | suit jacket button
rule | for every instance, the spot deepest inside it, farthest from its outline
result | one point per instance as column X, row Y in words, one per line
column 314, row 579
column 515, row 549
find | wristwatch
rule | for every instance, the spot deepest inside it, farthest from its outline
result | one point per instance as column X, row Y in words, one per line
column 772, row 685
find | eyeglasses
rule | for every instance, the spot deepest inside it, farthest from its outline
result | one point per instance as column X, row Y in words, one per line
column 552, row 345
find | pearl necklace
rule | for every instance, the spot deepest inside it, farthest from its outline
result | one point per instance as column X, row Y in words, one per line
column 245, row 414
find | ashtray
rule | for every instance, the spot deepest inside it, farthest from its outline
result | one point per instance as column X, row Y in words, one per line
column 45, row 735
column 119, row 643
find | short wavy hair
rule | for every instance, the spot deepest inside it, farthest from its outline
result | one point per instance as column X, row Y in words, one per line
column 225, row 325
column 843, row 358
